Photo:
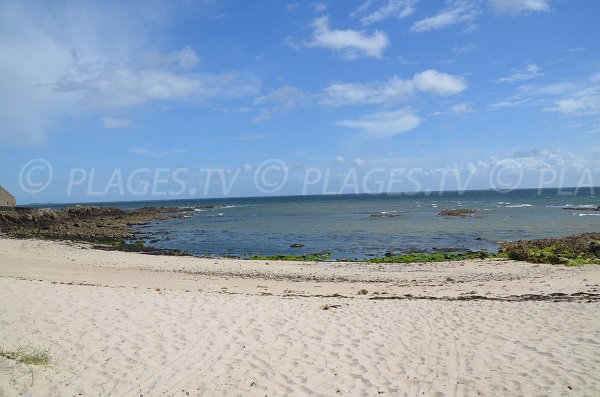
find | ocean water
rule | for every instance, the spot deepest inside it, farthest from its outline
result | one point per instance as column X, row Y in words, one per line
column 362, row 226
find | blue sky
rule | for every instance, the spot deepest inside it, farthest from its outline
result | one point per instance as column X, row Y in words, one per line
column 340, row 87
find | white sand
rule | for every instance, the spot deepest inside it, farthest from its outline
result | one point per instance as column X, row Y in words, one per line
column 116, row 335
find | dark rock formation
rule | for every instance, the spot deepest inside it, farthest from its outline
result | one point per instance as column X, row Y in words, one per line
column 87, row 223
column 461, row 213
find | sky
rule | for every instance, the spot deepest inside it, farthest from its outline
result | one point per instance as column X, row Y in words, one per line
column 127, row 100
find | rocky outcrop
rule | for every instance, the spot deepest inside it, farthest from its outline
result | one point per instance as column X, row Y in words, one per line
column 461, row 213
column 87, row 223
column 582, row 248
column 583, row 208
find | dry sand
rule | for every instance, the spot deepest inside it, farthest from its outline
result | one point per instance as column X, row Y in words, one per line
column 228, row 327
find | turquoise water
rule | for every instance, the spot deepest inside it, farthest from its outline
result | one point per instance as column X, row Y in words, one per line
column 352, row 226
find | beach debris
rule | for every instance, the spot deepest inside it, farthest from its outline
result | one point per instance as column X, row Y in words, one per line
column 460, row 212
column 328, row 307
column 296, row 245
column 363, row 292
column 157, row 289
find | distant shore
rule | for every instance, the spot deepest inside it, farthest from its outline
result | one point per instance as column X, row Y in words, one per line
column 124, row 323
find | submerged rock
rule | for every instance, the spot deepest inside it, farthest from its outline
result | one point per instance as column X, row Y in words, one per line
column 385, row 214
column 460, row 212
column 296, row 245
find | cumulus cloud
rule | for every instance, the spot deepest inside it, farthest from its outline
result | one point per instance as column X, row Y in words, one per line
column 349, row 44
column 383, row 10
column 392, row 90
column 438, row 83
column 456, row 12
column 530, row 72
column 383, row 124
column 186, row 58
column 518, row 6
column 90, row 58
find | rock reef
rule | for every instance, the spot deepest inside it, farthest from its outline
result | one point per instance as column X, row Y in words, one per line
column 89, row 223
column 461, row 213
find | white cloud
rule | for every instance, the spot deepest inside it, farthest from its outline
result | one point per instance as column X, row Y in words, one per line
column 340, row 159
column 318, row 6
column 456, row 12
column 342, row 94
column 89, row 58
column 461, row 108
column 280, row 100
column 292, row 43
column 534, row 160
column 359, row 162
column 583, row 102
column 438, row 83
column 530, row 72
column 465, row 49
column 117, row 123
column 393, row 90
column 125, row 88
column 386, row 9
column 384, row 124
column 350, row 44
column 187, row 58
column 518, row 6
column 287, row 96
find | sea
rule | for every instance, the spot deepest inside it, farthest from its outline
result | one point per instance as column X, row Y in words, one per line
column 363, row 226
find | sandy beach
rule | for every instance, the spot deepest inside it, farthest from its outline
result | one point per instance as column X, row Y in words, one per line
column 131, row 324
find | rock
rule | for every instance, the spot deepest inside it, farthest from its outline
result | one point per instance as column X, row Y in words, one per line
column 89, row 223
column 363, row 292
column 461, row 212
column 385, row 214
column 296, row 245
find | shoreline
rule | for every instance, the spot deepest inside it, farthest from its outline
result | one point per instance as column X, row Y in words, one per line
column 126, row 323
column 472, row 279
column 112, row 228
